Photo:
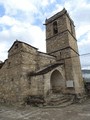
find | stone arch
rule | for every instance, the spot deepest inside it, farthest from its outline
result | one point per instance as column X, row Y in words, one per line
column 56, row 81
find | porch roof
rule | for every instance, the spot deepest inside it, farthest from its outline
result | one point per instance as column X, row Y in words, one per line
column 46, row 69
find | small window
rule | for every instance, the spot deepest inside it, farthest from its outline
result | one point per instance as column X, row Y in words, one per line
column 60, row 55
column 12, row 79
column 16, row 46
column 71, row 27
column 8, row 65
column 55, row 28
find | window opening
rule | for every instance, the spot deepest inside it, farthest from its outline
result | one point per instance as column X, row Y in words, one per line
column 55, row 28
column 16, row 46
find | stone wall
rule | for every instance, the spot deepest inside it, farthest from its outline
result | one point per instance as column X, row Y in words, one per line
column 15, row 83
column 41, row 84
column 13, row 74
column 70, row 25
column 57, row 42
column 36, row 85
column 45, row 60
column 61, row 23
column 62, row 54
column 10, row 88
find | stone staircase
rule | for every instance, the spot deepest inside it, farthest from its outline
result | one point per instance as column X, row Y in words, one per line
column 59, row 100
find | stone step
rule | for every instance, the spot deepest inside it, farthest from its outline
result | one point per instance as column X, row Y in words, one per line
column 60, row 105
column 56, row 95
column 59, row 100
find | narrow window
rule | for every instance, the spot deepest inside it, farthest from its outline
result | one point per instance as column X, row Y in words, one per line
column 12, row 79
column 8, row 65
column 55, row 28
column 60, row 55
column 16, row 46
column 71, row 27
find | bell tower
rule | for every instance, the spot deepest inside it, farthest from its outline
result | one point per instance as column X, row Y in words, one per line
column 61, row 42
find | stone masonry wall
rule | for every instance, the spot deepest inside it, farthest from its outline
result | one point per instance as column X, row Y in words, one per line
column 45, row 60
column 10, row 87
column 15, row 84
column 57, row 42
column 36, row 85
column 63, row 45
column 13, row 74
column 61, row 23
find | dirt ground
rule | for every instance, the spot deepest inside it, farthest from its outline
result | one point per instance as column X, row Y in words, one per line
column 72, row 112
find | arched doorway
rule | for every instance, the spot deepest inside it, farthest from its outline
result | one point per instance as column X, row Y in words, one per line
column 57, row 82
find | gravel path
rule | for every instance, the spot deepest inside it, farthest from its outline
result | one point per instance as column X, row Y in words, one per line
column 72, row 112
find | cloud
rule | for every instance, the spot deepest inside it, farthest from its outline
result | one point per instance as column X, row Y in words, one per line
column 3, row 50
column 7, row 20
column 22, row 31
column 32, row 6
column 18, row 24
column 84, row 44
column 14, row 5
column 85, row 61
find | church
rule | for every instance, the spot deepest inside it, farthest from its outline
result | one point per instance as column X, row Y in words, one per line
column 28, row 72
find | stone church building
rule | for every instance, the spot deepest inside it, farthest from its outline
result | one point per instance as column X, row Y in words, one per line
column 28, row 72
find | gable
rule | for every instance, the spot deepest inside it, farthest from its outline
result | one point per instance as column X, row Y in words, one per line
column 14, row 48
column 18, row 46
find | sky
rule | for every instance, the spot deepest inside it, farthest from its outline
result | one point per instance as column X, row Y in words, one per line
column 24, row 19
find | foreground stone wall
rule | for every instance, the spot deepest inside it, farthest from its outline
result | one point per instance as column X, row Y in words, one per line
column 10, row 85
column 13, row 77
column 15, row 83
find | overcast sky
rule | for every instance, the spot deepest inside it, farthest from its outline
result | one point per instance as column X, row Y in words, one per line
column 24, row 19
